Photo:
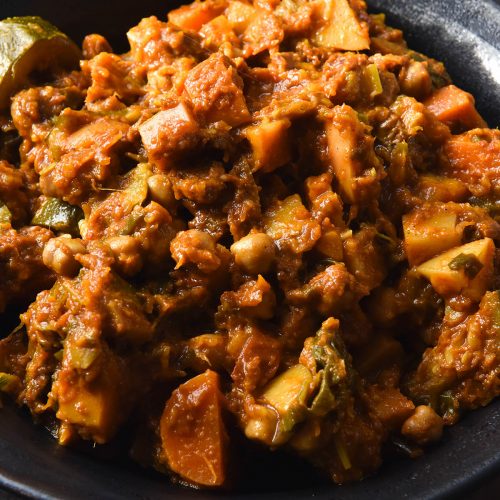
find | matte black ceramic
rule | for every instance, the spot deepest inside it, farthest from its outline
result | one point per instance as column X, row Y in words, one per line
column 465, row 34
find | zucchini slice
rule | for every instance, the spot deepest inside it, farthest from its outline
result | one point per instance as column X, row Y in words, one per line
column 30, row 44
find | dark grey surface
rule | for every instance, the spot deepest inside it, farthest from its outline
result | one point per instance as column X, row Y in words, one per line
column 465, row 34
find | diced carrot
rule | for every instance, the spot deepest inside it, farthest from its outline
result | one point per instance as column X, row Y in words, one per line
column 270, row 144
column 193, row 435
column 474, row 158
column 454, row 106
column 195, row 15
column 95, row 408
column 428, row 233
column 341, row 27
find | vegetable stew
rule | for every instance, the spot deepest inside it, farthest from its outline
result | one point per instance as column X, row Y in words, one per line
column 269, row 221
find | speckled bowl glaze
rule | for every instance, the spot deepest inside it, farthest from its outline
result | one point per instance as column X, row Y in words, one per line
column 465, row 34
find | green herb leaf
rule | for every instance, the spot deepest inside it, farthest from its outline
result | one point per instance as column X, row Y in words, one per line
column 466, row 262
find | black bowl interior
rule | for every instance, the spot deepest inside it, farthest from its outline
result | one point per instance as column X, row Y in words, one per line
column 465, row 34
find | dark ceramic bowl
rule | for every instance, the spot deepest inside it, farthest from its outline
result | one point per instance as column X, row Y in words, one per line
column 465, row 34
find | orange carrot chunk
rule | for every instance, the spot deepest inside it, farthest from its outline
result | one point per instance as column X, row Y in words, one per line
column 474, row 158
column 270, row 144
column 454, row 106
column 193, row 436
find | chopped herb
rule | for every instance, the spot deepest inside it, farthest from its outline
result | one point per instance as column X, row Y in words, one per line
column 466, row 262
column 447, row 404
column 342, row 453
column 325, row 400
column 384, row 237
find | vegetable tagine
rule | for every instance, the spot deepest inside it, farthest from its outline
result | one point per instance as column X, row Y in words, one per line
column 267, row 222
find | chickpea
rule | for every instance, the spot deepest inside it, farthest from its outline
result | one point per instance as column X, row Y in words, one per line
column 262, row 424
column 415, row 80
column 59, row 255
column 127, row 254
column 195, row 247
column 424, row 426
column 254, row 253
column 160, row 190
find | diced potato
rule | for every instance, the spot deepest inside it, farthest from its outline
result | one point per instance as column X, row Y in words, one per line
column 454, row 106
column 427, row 233
column 448, row 279
column 341, row 27
column 270, row 144
column 330, row 245
column 195, row 15
column 102, row 133
column 95, row 407
column 351, row 154
column 289, row 223
column 257, row 362
column 193, row 436
column 168, row 130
